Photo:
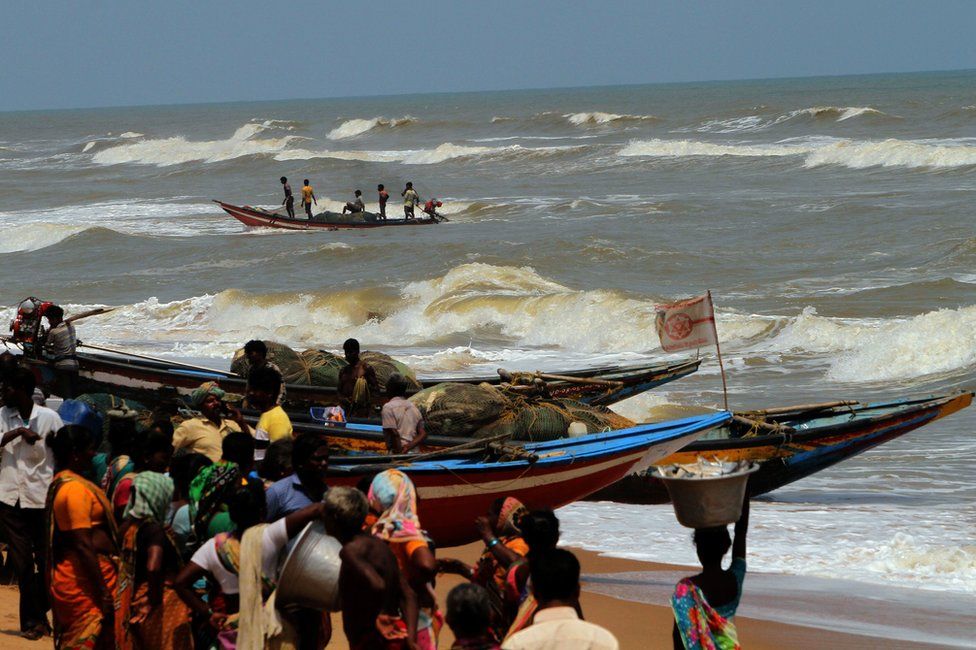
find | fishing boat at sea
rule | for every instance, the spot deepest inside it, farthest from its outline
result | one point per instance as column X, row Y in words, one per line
column 260, row 218
column 791, row 443
column 456, row 486
column 142, row 378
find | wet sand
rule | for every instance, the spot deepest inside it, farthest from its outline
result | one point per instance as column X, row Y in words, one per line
column 635, row 624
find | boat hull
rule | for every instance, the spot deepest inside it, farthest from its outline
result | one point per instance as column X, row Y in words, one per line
column 453, row 493
column 790, row 457
column 256, row 218
column 146, row 381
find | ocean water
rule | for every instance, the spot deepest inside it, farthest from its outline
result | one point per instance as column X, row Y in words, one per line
column 831, row 218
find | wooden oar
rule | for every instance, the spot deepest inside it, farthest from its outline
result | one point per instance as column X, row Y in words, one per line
column 168, row 362
column 507, row 376
column 801, row 408
column 90, row 312
column 407, row 459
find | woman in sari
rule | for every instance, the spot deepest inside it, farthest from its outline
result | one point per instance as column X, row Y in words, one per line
column 393, row 498
column 152, row 453
column 705, row 604
column 504, row 546
column 84, row 572
column 220, row 560
column 158, row 619
column 540, row 531
column 213, row 486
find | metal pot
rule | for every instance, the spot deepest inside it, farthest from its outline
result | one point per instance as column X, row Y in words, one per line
column 309, row 576
column 705, row 500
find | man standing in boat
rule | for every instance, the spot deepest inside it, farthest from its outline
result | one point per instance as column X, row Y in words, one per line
column 384, row 196
column 410, row 199
column 256, row 352
column 289, row 201
column 357, row 383
column 308, row 196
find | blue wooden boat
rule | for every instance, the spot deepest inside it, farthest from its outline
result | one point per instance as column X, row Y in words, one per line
column 794, row 442
column 454, row 488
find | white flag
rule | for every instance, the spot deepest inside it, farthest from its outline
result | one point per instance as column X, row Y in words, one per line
column 686, row 324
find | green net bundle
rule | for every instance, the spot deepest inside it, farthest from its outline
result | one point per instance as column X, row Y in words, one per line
column 385, row 365
column 459, row 409
column 321, row 367
column 483, row 411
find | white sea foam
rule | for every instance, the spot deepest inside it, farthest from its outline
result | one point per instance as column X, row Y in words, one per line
column 441, row 153
column 178, row 150
column 599, row 118
column 35, row 236
column 35, row 229
column 820, row 151
column 876, row 544
column 683, row 148
column 352, row 128
column 759, row 122
column 893, row 153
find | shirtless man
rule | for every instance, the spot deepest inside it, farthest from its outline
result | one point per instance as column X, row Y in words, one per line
column 355, row 206
column 410, row 199
column 369, row 577
column 289, row 201
column 356, row 403
column 384, row 197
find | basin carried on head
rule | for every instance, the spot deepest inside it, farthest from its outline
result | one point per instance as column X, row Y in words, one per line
column 309, row 576
column 705, row 495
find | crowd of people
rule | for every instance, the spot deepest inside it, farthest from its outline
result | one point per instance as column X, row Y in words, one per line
column 170, row 537
column 411, row 199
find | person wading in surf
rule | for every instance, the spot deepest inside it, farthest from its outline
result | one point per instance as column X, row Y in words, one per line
column 357, row 382
column 289, row 201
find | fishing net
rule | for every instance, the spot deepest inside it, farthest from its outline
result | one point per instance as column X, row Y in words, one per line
column 385, row 365
column 350, row 217
column 483, row 411
column 323, row 367
column 459, row 409
column 294, row 369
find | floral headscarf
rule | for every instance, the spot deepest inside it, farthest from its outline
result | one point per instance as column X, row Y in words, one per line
column 393, row 495
column 509, row 516
column 151, row 496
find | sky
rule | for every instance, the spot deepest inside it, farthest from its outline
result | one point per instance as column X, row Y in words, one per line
column 81, row 53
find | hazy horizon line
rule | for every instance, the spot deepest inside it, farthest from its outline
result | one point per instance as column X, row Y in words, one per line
column 487, row 90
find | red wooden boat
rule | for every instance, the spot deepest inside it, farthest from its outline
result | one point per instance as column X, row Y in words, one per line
column 455, row 490
column 258, row 218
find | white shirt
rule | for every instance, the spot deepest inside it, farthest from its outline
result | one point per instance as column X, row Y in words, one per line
column 25, row 469
column 560, row 628
column 275, row 536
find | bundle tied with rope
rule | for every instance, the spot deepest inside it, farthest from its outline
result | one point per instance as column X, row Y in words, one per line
column 321, row 367
column 485, row 411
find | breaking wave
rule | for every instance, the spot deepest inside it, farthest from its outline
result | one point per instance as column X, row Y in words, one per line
column 439, row 154
column 854, row 154
column 683, row 148
column 516, row 307
column 352, row 128
column 759, row 123
column 893, row 153
column 35, row 236
column 598, row 118
column 177, row 150
column 935, row 342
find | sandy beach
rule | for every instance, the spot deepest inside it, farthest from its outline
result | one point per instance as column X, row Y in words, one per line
column 636, row 624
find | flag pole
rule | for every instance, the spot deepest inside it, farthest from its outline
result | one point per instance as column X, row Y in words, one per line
column 718, row 349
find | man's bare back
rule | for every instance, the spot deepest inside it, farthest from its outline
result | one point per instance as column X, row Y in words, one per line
column 370, row 581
